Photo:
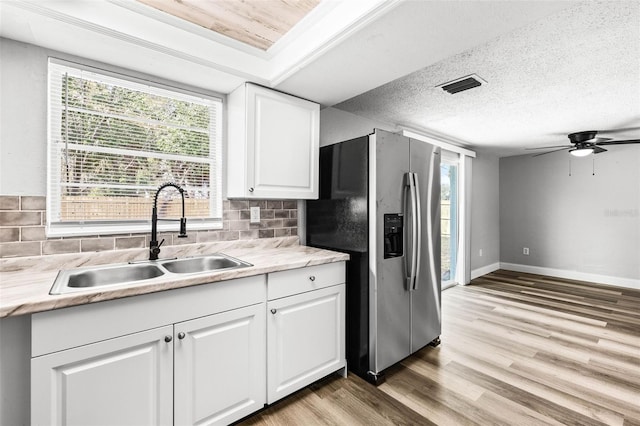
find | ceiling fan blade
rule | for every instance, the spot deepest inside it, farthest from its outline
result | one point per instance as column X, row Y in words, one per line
column 606, row 132
column 598, row 150
column 618, row 130
column 618, row 142
column 548, row 147
column 598, row 140
column 555, row 150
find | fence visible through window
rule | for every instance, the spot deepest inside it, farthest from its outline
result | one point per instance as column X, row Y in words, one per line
column 77, row 208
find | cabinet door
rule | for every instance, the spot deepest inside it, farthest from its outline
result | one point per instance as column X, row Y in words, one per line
column 305, row 339
column 282, row 145
column 122, row 381
column 220, row 367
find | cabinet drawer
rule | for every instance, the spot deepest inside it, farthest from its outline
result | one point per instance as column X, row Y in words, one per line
column 295, row 281
column 60, row 329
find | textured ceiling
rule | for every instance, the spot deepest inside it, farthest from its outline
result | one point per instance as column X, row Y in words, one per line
column 578, row 69
column 552, row 67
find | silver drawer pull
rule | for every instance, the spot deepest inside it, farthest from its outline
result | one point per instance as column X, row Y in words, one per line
column 168, row 339
column 181, row 335
column 312, row 278
column 273, row 311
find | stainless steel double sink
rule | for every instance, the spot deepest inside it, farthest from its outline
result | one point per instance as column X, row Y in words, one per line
column 79, row 279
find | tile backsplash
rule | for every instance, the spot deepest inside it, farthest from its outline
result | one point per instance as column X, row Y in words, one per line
column 22, row 228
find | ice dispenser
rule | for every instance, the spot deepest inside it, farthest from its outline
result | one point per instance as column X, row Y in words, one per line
column 393, row 244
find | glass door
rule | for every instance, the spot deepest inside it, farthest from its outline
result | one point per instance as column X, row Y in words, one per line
column 449, row 217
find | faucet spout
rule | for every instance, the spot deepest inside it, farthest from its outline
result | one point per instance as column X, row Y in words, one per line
column 154, row 246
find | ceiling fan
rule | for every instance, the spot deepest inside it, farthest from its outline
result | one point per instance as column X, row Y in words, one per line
column 586, row 143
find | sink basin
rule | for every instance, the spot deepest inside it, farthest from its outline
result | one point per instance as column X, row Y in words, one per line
column 79, row 279
column 213, row 262
column 82, row 278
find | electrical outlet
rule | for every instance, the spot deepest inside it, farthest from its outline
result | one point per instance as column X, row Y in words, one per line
column 255, row 215
column 480, row 252
column 525, row 251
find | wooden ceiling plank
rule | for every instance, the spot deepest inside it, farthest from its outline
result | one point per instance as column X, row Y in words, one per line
column 259, row 23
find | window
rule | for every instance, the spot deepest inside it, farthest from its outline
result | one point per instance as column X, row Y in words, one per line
column 113, row 140
column 449, row 216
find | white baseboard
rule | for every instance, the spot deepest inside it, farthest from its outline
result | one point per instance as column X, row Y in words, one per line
column 475, row 273
column 573, row 275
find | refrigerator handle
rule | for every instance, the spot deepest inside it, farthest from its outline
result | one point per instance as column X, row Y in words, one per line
column 410, row 180
column 430, row 206
column 417, row 235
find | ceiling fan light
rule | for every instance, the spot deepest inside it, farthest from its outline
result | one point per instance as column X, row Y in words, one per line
column 581, row 152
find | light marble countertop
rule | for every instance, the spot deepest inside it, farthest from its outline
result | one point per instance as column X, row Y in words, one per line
column 25, row 282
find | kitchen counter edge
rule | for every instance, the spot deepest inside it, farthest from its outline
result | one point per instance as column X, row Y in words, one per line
column 26, row 292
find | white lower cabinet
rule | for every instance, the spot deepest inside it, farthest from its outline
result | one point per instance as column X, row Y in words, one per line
column 122, row 381
column 188, row 356
column 219, row 367
column 305, row 336
column 205, row 355
column 207, row 371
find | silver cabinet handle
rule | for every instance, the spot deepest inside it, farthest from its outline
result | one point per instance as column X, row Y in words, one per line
column 273, row 311
column 250, row 189
column 181, row 335
column 168, row 339
column 312, row 278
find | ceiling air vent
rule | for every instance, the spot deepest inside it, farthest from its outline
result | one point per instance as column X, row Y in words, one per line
column 461, row 84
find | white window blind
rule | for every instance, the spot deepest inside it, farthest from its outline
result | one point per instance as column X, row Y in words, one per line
column 114, row 140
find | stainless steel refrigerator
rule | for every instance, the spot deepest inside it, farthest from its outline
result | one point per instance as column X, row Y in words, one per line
column 380, row 202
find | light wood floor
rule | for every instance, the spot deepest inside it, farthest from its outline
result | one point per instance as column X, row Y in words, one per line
column 517, row 349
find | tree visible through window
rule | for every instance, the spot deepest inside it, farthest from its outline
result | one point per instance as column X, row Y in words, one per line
column 113, row 141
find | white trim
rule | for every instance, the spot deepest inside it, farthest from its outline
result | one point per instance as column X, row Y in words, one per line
column 437, row 141
column 127, row 22
column 77, row 18
column 132, row 82
column 574, row 275
column 483, row 270
column 343, row 21
column 463, row 263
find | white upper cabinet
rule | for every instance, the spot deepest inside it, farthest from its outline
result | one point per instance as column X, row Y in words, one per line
column 273, row 145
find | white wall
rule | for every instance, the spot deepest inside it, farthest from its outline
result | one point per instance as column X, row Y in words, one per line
column 485, row 214
column 23, row 113
column 23, row 119
column 15, row 376
column 337, row 126
column 583, row 226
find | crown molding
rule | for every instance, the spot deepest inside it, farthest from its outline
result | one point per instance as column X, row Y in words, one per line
column 443, row 141
column 131, row 23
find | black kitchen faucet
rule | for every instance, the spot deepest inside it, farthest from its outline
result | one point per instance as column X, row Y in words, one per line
column 154, row 247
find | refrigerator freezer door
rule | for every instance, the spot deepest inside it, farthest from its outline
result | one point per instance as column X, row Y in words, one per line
column 389, row 300
column 425, row 299
column 338, row 219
